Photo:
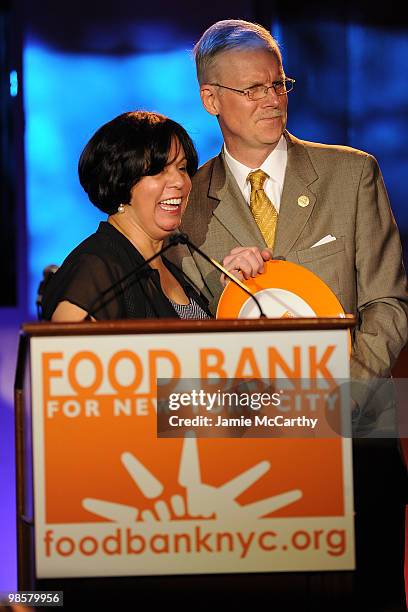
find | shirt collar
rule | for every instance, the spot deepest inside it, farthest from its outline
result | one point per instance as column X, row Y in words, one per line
column 274, row 165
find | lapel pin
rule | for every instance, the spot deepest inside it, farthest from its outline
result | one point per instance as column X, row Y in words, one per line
column 303, row 201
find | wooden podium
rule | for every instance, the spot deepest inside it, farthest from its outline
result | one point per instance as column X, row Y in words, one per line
column 104, row 506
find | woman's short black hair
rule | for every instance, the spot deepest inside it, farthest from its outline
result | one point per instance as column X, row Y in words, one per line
column 122, row 151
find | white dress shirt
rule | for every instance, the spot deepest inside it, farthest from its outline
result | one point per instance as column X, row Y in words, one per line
column 274, row 165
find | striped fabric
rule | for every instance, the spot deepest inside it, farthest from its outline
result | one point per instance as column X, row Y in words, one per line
column 189, row 311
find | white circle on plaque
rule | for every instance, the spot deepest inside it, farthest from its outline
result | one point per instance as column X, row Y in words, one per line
column 276, row 303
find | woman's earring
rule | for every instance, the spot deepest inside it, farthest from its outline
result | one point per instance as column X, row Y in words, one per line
column 121, row 209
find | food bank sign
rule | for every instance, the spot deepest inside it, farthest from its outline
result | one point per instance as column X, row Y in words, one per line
column 113, row 499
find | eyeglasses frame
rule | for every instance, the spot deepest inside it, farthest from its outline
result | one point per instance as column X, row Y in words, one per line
column 246, row 92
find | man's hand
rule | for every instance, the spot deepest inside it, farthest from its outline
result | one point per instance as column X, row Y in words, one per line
column 245, row 262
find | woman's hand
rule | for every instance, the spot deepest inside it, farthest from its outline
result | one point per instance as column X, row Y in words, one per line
column 245, row 262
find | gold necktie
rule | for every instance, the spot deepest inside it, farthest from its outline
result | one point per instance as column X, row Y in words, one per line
column 262, row 208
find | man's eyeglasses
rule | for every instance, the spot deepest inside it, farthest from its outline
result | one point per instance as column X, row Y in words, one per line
column 257, row 92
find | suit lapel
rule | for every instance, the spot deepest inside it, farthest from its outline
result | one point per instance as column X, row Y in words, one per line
column 232, row 211
column 300, row 174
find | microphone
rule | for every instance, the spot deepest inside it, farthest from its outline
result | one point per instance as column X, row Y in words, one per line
column 173, row 240
column 182, row 238
column 48, row 272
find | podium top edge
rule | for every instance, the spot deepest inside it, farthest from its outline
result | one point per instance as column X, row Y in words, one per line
column 166, row 326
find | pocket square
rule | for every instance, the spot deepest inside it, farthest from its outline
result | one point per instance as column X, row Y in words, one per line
column 325, row 240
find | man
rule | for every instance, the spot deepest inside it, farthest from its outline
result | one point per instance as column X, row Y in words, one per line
column 309, row 192
column 317, row 190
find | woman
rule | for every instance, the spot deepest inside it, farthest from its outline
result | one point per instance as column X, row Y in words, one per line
column 137, row 168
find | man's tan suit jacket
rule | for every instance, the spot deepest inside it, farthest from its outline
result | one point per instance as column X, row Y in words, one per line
column 347, row 199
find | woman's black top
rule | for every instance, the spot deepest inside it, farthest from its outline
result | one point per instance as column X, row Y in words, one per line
column 97, row 264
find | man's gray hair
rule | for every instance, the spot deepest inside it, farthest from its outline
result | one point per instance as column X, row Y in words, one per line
column 229, row 35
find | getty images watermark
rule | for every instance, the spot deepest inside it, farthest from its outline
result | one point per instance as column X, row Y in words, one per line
column 213, row 401
column 280, row 408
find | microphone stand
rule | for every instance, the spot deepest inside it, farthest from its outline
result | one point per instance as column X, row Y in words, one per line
column 184, row 239
column 174, row 239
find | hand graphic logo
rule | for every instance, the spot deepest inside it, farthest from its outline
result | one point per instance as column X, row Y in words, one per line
column 202, row 500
